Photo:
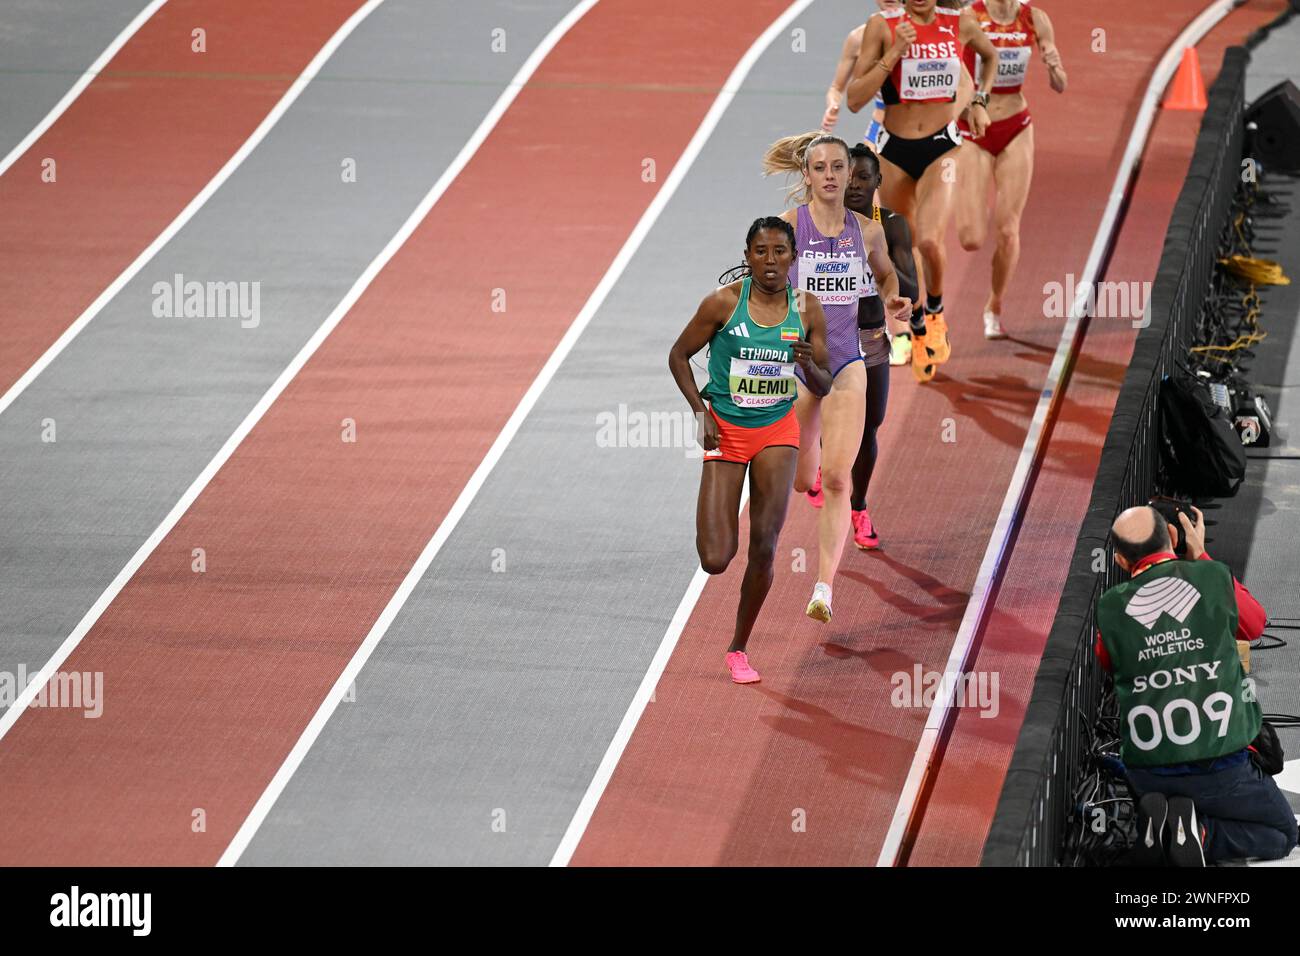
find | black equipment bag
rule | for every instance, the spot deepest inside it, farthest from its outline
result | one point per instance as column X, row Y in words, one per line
column 1202, row 454
column 1266, row 750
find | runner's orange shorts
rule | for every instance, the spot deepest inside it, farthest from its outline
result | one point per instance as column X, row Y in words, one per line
column 742, row 445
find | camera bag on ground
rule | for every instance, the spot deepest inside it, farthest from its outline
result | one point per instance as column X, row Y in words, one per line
column 1266, row 750
column 1201, row 451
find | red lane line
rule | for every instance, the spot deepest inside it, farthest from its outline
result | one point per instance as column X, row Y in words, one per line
column 966, row 791
column 210, row 678
column 806, row 767
column 140, row 141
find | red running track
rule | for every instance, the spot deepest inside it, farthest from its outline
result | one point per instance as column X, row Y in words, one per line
column 210, row 678
column 142, row 139
column 806, row 767
column 965, row 796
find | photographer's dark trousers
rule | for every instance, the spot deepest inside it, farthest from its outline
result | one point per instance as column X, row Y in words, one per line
column 1243, row 811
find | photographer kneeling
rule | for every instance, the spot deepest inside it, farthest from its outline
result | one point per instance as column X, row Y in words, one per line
column 1187, row 712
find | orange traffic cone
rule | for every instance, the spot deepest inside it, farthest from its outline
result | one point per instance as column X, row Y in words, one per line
column 1187, row 91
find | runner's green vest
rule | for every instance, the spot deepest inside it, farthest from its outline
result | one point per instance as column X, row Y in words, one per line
column 751, row 366
column 1170, row 634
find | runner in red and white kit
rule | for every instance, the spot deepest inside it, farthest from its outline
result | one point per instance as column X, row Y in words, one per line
column 900, row 333
column 1004, row 156
column 913, row 55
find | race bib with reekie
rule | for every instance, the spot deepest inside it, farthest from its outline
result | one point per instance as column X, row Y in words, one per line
column 834, row 280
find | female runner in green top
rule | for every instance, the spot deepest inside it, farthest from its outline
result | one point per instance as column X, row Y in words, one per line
column 757, row 329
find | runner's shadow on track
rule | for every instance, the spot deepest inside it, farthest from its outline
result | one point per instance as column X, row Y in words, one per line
column 851, row 751
column 980, row 398
column 1096, row 420
column 1032, row 346
column 952, row 600
column 1094, row 368
column 883, row 660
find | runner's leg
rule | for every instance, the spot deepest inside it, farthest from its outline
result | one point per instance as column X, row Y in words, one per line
column 843, row 413
column 717, row 514
column 1013, row 173
column 770, row 476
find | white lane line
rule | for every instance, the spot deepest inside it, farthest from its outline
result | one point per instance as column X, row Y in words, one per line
column 494, row 454
column 614, row 752
column 119, row 582
column 959, row 658
column 82, row 82
column 290, row 766
column 195, row 204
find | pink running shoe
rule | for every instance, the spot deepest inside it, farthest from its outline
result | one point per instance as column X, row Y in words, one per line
column 864, row 532
column 815, row 492
column 741, row 672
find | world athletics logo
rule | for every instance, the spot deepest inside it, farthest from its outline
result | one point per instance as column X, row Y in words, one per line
column 1172, row 596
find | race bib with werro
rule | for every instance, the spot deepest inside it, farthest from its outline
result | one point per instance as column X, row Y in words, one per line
column 927, row 79
column 1169, row 633
column 759, row 384
column 835, row 281
column 1013, row 66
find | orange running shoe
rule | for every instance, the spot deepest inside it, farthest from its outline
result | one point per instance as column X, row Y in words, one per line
column 924, row 362
column 936, row 336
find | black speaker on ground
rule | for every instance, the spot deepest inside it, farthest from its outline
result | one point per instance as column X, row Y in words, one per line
column 1276, row 116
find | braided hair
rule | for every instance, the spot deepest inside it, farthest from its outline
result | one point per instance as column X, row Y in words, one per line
column 759, row 224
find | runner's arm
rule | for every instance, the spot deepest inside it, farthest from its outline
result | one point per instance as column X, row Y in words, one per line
column 1047, row 46
column 812, row 354
column 874, row 63
column 965, row 90
column 708, row 318
column 873, row 235
column 898, row 237
column 977, row 39
column 843, row 70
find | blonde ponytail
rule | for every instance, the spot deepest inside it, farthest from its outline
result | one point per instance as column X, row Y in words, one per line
column 789, row 155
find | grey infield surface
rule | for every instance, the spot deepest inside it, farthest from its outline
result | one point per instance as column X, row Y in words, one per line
column 492, row 698
column 142, row 403
column 45, row 46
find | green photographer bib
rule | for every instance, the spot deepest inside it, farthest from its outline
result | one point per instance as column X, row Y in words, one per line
column 1170, row 633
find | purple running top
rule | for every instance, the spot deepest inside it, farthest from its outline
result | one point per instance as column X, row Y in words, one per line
column 835, row 269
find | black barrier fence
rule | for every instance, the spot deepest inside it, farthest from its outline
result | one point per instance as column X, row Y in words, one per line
column 1029, row 826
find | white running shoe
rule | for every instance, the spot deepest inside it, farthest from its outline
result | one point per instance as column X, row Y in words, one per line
column 900, row 349
column 993, row 327
column 819, row 608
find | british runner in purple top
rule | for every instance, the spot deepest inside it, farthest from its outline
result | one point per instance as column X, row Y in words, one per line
column 835, row 270
column 842, row 256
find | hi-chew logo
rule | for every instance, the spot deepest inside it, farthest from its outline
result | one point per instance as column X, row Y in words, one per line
column 837, row 266
column 76, row 908
column 1172, row 596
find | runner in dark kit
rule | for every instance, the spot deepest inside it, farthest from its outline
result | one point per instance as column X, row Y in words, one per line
column 864, row 180
column 756, row 335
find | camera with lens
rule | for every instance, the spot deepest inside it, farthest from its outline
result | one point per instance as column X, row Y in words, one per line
column 1170, row 509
